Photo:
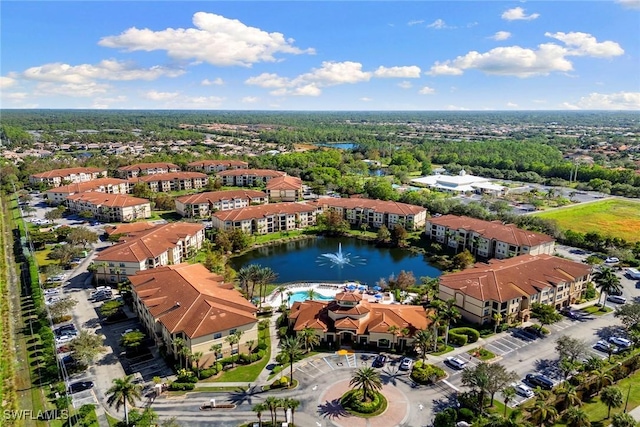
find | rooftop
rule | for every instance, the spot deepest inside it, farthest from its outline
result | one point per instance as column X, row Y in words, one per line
column 217, row 196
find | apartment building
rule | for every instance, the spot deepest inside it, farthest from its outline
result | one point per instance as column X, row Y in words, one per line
column 202, row 205
column 174, row 181
column 285, row 189
column 58, row 195
column 487, row 239
column 110, row 207
column 509, row 286
column 189, row 302
column 57, row 177
column 265, row 219
column 214, row 166
column 376, row 213
column 165, row 244
column 247, row 177
column 139, row 169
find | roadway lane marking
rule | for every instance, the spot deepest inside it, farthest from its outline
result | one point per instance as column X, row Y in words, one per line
column 451, row 385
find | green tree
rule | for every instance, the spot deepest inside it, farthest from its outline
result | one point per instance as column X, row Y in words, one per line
column 497, row 318
column 53, row 215
column 332, row 223
column 292, row 404
column 629, row 315
column 368, row 380
column 545, row 314
column 110, row 308
column 132, row 339
column 477, row 379
column 259, row 409
column 309, row 338
column 569, row 395
column 508, row 394
column 82, row 236
column 608, row 282
column 449, row 313
column 542, row 413
column 612, row 397
column 463, row 260
column 380, row 188
column 262, row 277
column 272, row 403
column 291, row 348
column 399, row 236
column 233, row 339
column 622, row 420
column 62, row 307
column 570, row 348
column 87, row 346
column 124, row 391
column 383, row 235
column 577, row 417
column 422, row 341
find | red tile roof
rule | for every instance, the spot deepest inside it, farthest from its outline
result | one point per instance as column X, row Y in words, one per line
column 251, row 172
column 61, row 173
column 149, row 244
column 263, row 211
column 168, row 177
column 507, row 233
column 506, row 279
column 285, row 183
column 109, row 200
column 128, row 229
column 81, row 187
column 141, row 166
column 217, row 196
column 189, row 298
column 229, row 162
column 377, row 205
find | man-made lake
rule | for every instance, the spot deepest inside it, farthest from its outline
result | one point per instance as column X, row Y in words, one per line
column 340, row 145
column 307, row 261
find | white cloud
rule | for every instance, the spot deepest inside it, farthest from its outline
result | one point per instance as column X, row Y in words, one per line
column 108, row 69
column 585, row 44
column 525, row 62
column 6, row 82
column 456, row 108
column 250, row 99
column 629, row 4
column 405, row 84
column 217, row 81
column 106, row 102
column 268, row 80
column 439, row 24
column 307, row 90
column 415, row 22
column 214, row 39
column 426, row 90
column 15, row 95
column 501, row 35
column 609, row 101
column 82, row 89
column 365, row 99
column 410, row 72
column 154, row 95
column 517, row 14
column 512, row 105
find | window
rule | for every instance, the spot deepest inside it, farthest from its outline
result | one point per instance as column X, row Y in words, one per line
column 217, row 335
column 122, row 264
column 232, row 331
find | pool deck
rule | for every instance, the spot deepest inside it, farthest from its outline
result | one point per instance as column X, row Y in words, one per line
column 330, row 290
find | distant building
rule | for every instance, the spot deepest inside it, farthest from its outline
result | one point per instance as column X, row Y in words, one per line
column 129, row 230
column 248, row 177
column 110, row 207
column 189, row 302
column 56, row 177
column 202, row 205
column 139, row 169
column 508, row 287
column 350, row 319
column 461, row 183
column 174, row 181
column 488, row 239
column 165, row 244
column 212, row 166
column 285, row 189
column 57, row 195
column 376, row 213
column 265, row 219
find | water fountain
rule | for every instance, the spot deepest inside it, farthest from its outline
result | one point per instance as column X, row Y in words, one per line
column 340, row 259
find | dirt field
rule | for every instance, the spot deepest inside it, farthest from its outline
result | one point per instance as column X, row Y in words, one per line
column 616, row 218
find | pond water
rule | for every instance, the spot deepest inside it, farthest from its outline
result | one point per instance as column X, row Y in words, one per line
column 342, row 145
column 335, row 260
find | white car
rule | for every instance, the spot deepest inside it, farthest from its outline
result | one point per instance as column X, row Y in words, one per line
column 619, row 341
column 523, row 390
column 406, row 364
column 64, row 339
column 128, row 331
column 51, row 291
column 617, row 299
column 456, row 363
column 611, row 260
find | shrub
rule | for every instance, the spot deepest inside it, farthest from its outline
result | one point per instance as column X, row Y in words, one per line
column 210, row 371
column 465, row 414
column 471, row 334
column 457, row 339
column 353, row 400
column 262, row 345
column 282, row 331
column 186, row 376
column 424, row 373
column 174, row 386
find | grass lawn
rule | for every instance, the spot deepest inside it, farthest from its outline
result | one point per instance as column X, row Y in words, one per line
column 247, row 373
column 616, row 218
column 598, row 311
column 446, row 350
column 597, row 410
column 270, row 237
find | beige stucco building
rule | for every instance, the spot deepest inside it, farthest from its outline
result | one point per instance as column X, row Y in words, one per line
column 247, row 177
column 174, row 181
column 57, row 195
column 138, row 169
column 285, row 189
column 202, row 205
column 110, row 207
column 56, row 177
column 213, row 166
column 266, row 218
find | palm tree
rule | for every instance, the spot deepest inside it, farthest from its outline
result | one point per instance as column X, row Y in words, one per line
column 368, row 380
column 612, row 397
column 292, row 347
column 602, row 378
column 513, row 420
column 259, row 409
column 497, row 318
column 215, row 348
column 293, row 405
column 508, row 393
column 124, row 391
column 394, row 330
column 570, row 395
column 311, row 294
column 577, row 417
column 196, row 357
column 245, row 276
column 282, row 290
column 543, row 413
column 435, row 317
column 593, row 363
column 179, row 344
column 263, row 276
column 272, row 404
column 608, row 282
column 422, row 339
column 232, row 339
column 623, row 420
column 449, row 314
column 309, row 338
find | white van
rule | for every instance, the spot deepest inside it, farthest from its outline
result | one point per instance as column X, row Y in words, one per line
column 617, row 299
column 633, row 273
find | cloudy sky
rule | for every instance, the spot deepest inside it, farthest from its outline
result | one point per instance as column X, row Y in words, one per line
column 321, row 55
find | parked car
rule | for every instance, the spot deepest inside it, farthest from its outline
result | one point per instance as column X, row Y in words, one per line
column 539, row 380
column 379, row 361
column 80, row 386
column 617, row 299
column 64, row 339
column 611, row 260
column 619, row 341
column 455, row 363
column 51, row 292
column 524, row 390
column 570, row 313
column 128, row 331
column 64, row 329
column 406, row 364
column 602, row 345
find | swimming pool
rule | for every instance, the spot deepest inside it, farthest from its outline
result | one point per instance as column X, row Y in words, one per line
column 303, row 296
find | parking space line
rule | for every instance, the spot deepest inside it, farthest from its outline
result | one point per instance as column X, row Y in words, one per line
column 495, row 349
column 325, row 359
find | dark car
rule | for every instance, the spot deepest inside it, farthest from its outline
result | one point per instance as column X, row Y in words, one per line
column 379, row 361
column 536, row 332
column 538, row 380
column 80, row 386
column 570, row 313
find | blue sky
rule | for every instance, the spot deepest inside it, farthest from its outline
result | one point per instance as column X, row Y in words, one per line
column 325, row 55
